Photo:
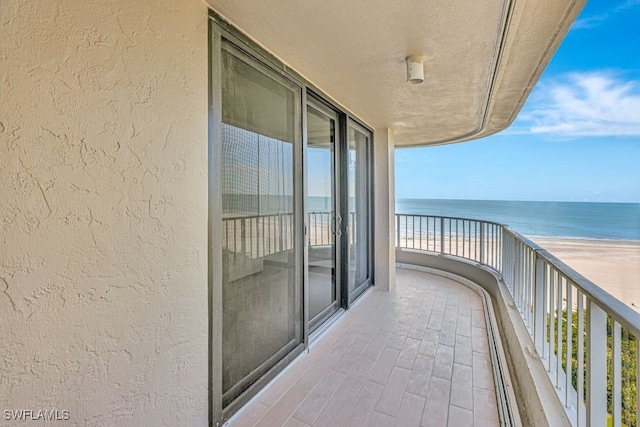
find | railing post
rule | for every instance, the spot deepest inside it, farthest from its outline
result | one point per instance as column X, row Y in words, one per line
column 482, row 243
column 569, row 353
column 243, row 237
column 617, row 374
column 504, row 263
column 517, row 276
column 442, row 235
column 637, row 378
column 280, row 233
column 398, row 230
column 580, row 359
column 596, row 365
column 539, row 310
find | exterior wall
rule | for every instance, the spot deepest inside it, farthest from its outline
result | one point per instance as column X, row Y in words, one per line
column 103, row 212
column 384, row 202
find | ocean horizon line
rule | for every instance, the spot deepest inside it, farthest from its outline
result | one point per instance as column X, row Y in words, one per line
column 519, row 201
column 591, row 220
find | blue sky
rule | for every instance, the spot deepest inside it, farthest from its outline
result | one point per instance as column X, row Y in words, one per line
column 576, row 139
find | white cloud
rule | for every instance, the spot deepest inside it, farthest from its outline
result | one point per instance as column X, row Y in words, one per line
column 627, row 5
column 591, row 22
column 515, row 129
column 586, row 104
column 597, row 20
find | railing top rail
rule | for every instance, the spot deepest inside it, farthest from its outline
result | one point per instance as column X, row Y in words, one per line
column 618, row 310
column 522, row 238
column 235, row 218
column 451, row 217
column 326, row 212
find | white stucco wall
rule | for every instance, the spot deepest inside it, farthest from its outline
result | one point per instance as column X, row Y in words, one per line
column 103, row 210
column 384, row 198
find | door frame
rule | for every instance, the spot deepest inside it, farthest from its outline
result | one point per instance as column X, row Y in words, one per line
column 317, row 103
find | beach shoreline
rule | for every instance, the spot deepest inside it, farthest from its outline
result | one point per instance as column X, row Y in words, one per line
column 583, row 240
column 613, row 265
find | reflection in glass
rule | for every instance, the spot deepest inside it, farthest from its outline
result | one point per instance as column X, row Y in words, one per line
column 261, row 302
column 320, row 203
column 358, row 232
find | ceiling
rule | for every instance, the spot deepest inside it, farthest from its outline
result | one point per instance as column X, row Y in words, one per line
column 482, row 58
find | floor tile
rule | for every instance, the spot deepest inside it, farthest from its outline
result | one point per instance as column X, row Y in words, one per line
column 436, row 409
column 420, row 375
column 362, row 406
column 380, row 420
column 408, row 354
column 443, row 363
column 383, row 366
column 460, row 416
column 462, row 386
column 391, row 397
column 411, row 409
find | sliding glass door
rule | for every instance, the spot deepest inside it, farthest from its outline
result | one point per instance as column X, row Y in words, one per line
column 262, row 291
column 339, row 206
column 322, row 265
column 290, row 227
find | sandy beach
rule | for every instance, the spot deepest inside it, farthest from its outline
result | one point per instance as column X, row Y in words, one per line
column 612, row 265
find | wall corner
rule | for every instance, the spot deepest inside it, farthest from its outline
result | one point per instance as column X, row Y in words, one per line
column 384, row 210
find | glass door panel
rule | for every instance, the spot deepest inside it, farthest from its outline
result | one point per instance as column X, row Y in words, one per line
column 262, row 300
column 358, row 213
column 321, row 205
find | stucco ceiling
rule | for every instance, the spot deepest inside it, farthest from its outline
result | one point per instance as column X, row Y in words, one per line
column 482, row 58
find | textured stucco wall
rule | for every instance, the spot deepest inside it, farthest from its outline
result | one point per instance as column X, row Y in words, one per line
column 384, row 202
column 103, row 210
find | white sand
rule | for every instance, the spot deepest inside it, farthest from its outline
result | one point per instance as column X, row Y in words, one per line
column 612, row 265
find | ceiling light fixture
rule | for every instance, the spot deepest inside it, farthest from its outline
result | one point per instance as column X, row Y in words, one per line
column 415, row 69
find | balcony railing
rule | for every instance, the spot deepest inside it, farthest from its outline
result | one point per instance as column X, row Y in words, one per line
column 586, row 338
column 257, row 236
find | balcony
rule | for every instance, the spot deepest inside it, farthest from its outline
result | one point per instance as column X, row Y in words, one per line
column 476, row 326
column 113, row 262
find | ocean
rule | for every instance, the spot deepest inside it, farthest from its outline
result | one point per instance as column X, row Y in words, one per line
column 615, row 221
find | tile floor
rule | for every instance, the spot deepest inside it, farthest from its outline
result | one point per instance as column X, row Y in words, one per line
column 416, row 356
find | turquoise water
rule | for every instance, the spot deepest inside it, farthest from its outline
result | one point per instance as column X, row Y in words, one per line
column 619, row 221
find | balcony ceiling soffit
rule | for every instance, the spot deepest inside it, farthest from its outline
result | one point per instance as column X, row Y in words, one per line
column 481, row 58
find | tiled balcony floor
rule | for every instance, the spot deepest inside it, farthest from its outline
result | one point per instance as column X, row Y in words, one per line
column 415, row 356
